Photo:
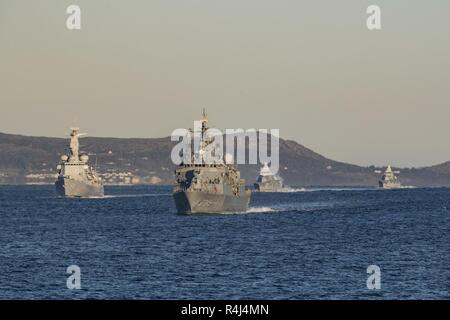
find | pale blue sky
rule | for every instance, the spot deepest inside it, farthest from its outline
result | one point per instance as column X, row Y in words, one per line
column 309, row 68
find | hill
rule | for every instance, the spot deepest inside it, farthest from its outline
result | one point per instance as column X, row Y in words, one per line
column 25, row 159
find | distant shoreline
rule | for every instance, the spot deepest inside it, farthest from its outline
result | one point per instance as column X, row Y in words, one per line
column 148, row 161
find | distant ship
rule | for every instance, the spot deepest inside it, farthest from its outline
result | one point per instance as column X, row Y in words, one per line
column 209, row 188
column 75, row 177
column 267, row 181
column 389, row 180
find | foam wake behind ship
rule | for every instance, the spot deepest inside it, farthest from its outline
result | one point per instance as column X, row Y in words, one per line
column 208, row 187
column 75, row 177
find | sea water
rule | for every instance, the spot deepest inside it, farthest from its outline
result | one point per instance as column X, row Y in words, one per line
column 289, row 245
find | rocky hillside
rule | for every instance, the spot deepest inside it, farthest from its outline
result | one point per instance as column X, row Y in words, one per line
column 33, row 159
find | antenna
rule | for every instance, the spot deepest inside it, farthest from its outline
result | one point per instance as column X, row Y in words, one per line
column 205, row 117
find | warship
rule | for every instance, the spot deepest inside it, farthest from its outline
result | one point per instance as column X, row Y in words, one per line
column 267, row 181
column 389, row 180
column 75, row 177
column 205, row 187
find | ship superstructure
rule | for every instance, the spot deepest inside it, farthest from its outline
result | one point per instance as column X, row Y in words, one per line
column 267, row 181
column 389, row 180
column 75, row 177
column 205, row 187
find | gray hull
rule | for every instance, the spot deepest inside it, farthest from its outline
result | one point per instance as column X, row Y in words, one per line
column 387, row 185
column 73, row 188
column 202, row 202
column 271, row 186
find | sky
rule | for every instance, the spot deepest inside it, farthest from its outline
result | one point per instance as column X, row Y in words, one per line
column 309, row 68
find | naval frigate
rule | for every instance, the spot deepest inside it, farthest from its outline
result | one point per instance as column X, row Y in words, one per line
column 389, row 180
column 267, row 181
column 205, row 187
column 75, row 177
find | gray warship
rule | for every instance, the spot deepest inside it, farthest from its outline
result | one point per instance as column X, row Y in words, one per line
column 75, row 177
column 267, row 181
column 389, row 180
column 209, row 187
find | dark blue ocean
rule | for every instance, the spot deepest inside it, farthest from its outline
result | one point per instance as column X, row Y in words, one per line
column 315, row 244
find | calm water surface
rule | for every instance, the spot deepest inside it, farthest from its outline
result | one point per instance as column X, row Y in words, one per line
column 291, row 245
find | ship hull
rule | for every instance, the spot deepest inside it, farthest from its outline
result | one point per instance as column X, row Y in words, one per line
column 273, row 186
column 72, row 188
column 188, row 202
column 384, row 185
